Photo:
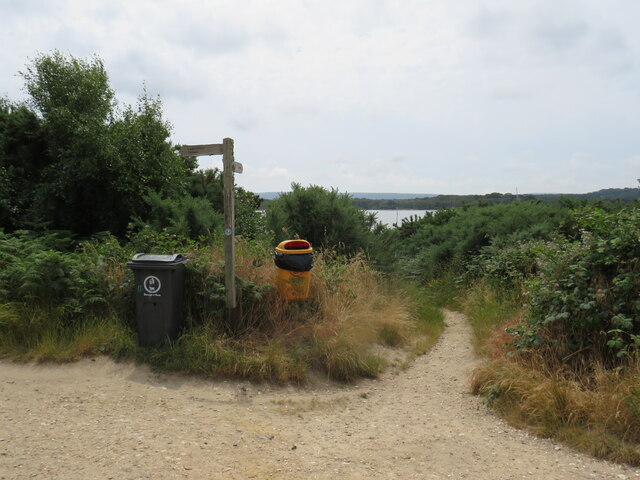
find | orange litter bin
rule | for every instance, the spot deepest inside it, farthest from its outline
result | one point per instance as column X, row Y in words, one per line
column 294, row 260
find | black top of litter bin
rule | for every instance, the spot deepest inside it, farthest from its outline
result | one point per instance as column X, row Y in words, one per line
column 149, row 260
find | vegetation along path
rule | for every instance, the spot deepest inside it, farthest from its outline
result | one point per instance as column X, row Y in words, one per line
column 97, row 419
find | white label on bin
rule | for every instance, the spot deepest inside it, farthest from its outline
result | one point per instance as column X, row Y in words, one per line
column 152, row 285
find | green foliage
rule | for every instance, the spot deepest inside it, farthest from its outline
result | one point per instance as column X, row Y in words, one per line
column 75, row 161
column 249, row 222
column 451, row 237
column 584, row 301
column 71, row 159
column 36, row 275
column 75, row 102
column 185, row 216
column 45, row 291
column 67, row 89
column 445, row 291
column 208, row 185
column 205, row 292
column 487, row 307
column 61, row 305
column 438, row 202
column 143, row 163
column 23, row 158
column 427, row 314
column 326, row 218
column 506, row 266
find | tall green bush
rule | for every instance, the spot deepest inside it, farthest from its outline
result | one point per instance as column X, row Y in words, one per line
column 326, row 218
column 185, row 216
column 451, row 237
column 23, row 158
column 208, row 185
column 70, row 159
column 584, row 302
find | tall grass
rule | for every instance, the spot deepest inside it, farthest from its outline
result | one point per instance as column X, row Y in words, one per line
column 427, row 316
column 599, row 415
column 446, row 291
column 43, row 336
column 593, row 409
column 351, row 310
column 487, row 309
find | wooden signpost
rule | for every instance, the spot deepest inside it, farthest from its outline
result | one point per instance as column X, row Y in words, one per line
column 197, row 150
column 229, row 167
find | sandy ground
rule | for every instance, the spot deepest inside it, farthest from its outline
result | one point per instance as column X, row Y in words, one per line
column 100, row 420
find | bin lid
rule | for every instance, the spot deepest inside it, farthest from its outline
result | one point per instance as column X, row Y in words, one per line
column 148, row 258
column 294, row 247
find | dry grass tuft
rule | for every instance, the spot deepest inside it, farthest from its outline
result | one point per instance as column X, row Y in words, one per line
column 600, row 416
column 354, row 310
column 593, row 409
column 351, row 310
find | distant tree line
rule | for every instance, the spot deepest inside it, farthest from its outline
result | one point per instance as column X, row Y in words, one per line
column 449, row 201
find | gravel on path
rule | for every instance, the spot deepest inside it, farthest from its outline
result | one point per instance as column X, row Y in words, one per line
column 96, row 419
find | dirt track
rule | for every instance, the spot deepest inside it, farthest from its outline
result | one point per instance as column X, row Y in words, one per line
column 97, row 419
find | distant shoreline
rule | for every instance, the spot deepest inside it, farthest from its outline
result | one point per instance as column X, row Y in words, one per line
column 627, row 193
column 438, row 202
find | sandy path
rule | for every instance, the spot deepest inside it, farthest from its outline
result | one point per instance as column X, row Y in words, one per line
column 97, row 419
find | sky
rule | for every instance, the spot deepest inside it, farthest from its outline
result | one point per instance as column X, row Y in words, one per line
column 432, row 96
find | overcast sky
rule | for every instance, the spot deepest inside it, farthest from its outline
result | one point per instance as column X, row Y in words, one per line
column 451, row 96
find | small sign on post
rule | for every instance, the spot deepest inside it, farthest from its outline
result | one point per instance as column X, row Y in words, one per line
column 230, row 166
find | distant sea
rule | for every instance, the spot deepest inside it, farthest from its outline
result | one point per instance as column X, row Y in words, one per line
column 389, row 217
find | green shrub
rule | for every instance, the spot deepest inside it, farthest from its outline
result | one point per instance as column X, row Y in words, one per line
column 505, row 266
column 76, row 161
column 451, row 237
column 326, row 218
column 208, row 185
column 187, row 216
column 584, row 301
column 62, row 305
column 45, row 278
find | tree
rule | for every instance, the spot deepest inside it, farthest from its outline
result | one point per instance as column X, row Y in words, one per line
column 208, row 184
column 144, row 161
column 96, row 164
column 326, row 218
column 23, row 158
column 75, row 103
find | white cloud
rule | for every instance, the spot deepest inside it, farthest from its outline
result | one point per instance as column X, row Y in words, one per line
column 632, row 162
column 450, row 97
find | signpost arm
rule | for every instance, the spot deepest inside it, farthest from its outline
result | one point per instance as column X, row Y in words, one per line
column 229, row 223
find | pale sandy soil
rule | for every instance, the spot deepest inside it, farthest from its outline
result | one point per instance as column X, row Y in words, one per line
column 100, row 420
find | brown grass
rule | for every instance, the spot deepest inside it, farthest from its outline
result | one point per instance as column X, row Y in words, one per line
column 599, row 415
column 592, row 408
column 350, row 311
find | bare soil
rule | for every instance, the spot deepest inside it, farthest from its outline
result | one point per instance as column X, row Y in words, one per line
column 96, row 419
